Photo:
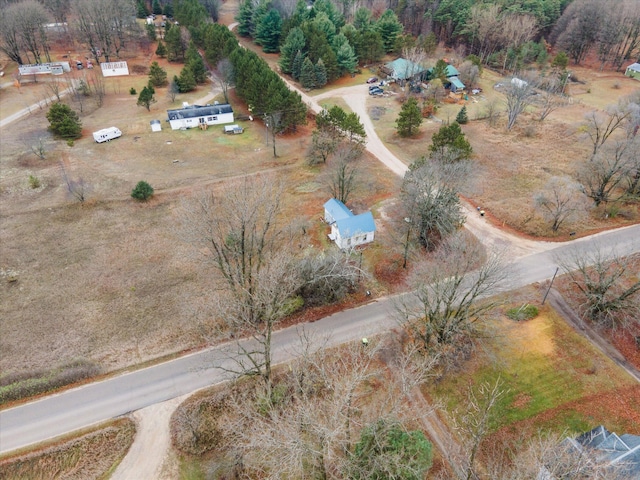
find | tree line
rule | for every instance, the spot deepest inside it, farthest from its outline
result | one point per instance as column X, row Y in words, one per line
column 316, row 44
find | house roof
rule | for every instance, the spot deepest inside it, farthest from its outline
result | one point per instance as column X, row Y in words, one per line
column 337, row 209
column 451, row 71
column 634, row 67
column 456, row 81
column 623, row 449
column 357, row 224
column 195, row 111
column 404, row 69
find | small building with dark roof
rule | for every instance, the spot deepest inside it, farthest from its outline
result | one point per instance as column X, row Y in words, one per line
column 192, row 116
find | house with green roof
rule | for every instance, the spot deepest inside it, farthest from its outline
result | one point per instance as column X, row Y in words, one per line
column 402, row 69
column 452, row 82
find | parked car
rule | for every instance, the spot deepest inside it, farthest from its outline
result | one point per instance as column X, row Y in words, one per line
column 372, row 80
column 374, row 87
column 376, row 91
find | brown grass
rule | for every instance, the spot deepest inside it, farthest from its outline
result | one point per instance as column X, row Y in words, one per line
column 92, row 455
column 110, row 281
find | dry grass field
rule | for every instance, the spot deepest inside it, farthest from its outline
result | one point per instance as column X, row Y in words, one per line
column 510, row 167
column 92, row 454
column 110, row 281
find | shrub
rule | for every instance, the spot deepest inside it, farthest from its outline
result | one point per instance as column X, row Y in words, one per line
column 34, row 182
column 525, row 312
column 64, row 122
column 462, row 116
column 143, row 191
column 27, row 384
column 132, row 91
column 71, row 143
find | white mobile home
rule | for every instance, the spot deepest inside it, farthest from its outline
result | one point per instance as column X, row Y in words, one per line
column 193, row 116
column 106, row 134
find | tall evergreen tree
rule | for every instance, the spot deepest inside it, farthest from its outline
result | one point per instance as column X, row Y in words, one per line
column 268, row 31
column 321, row 74
column 196, row 64
column 296, row 66
column 462, row 117
column 146, row 98
column 175, row 44
column 345, row 56
column 157, row 75
column 390, row 29
column 161, row 51
column 308, row 74
column 449, row 144
column 186, row 81
column 295, row 41
column 155, row 6
column 245, row 18
column 410, row 118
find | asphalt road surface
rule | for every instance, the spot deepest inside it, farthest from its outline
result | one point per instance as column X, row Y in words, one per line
column 83, row 406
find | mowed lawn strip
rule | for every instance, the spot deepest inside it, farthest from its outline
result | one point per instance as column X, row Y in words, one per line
column 544, row 365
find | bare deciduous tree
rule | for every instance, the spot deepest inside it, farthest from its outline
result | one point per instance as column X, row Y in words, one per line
column 342, row 176
column 77, row 188
column 225, row 75
column 448, row 294
column 324, row 143
column 551, row 455
column 480, row 411
column 249, row 250
column 98, row 87
column 560, row 201
column 22, row 31
column 103, row 25
column 516, row 30
column 600, row 126
column 550, row 98
column 602, row 176
column 518, row 96
column 599, row 277
column 430, row 197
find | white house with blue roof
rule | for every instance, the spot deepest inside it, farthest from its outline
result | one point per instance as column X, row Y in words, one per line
column 348, row 230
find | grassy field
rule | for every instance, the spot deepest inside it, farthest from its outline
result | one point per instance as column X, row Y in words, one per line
column 554, row 380
column 110, row 283
column 94, row 454
column 511, row 167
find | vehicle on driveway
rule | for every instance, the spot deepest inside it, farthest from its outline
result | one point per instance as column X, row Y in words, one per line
column 376, row 91
column 372, row 80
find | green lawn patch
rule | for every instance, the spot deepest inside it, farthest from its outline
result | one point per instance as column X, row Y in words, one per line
column 544, row 365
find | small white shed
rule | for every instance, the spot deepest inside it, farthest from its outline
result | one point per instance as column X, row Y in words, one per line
column 156, row 126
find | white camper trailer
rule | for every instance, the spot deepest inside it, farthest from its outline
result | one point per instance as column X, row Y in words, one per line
column 106, row 134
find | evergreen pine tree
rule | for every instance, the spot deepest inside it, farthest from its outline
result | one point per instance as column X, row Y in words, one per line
column 157, row 75
column 410, row 118
column 346, row 58
column 146, row 98
column 268, row 31
column 462, row 117
column 141, row 9
column 186, row 81
column 155, row 6
column 161, row 51
column 64, row 122
column 308, row 74
column 295, row 41
column 296, row 66
column 196, row 64
column 390, row 28
column 174, row 44
column 321, row 74
column 168, row 11
column 151, row 31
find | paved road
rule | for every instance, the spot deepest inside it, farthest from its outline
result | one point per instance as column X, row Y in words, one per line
column 86, row 405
